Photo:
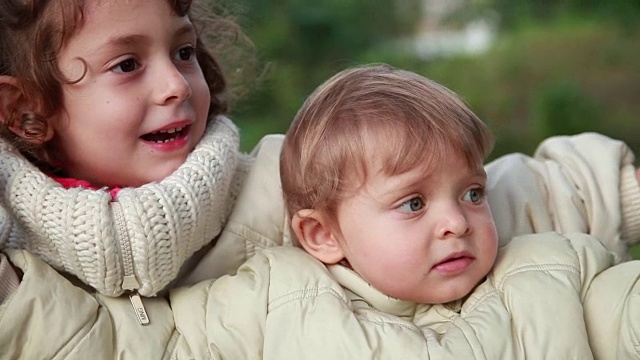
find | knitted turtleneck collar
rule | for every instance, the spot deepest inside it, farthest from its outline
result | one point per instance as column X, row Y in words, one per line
column 140, row 240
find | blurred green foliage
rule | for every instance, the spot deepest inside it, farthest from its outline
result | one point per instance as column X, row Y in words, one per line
column 556, row 67
column 519, row 13
column 563, row 107
column 564, row 77
column 302, row 43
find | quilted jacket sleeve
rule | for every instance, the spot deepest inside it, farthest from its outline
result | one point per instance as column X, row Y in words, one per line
column 541, row 282
column 584, row 183
column 612, row 309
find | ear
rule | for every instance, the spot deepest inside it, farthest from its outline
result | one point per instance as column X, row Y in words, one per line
column 316, row 236
column 11, row 98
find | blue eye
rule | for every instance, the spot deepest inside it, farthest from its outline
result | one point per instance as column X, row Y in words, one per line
column 126, row 66
column 474, row 195
column 186, row 53
column 412, row 205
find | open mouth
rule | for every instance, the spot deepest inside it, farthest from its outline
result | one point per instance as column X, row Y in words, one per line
column 454, row 264
column 165, row 136
column 451, row 260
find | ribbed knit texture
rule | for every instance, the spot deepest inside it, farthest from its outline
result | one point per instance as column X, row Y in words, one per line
column 630, row 203
column 8, row 279
column 78, row 231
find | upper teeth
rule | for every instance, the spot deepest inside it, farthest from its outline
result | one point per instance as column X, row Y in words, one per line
column 169, row 131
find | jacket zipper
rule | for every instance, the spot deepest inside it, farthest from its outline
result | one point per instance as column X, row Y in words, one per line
column 129, row 282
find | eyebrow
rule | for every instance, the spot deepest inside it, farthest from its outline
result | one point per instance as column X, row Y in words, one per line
column 186, row 29
column 117, row 40
column 125, row 40
column 481, row 172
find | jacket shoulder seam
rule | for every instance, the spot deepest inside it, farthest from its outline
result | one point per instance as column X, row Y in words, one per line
column 304, row 294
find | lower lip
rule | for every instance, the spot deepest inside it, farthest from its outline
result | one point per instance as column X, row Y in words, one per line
column 454, row 266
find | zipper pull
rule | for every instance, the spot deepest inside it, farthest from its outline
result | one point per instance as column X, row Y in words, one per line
column 138, row 308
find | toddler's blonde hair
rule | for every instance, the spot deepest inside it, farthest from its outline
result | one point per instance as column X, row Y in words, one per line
column 401, row 118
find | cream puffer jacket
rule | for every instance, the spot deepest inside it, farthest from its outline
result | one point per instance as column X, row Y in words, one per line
column 544, row 299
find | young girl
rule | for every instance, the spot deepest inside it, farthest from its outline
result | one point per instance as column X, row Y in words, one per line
column 117, row 163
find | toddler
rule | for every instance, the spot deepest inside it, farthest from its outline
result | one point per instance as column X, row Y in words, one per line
column 382, row 173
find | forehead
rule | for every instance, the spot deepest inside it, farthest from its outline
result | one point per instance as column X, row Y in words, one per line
column 385, row 156
column 104, row 18
column 124, row 8
column 106, row 22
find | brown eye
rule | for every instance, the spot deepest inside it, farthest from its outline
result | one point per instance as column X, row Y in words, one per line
column 126, row 66
column 186, row 53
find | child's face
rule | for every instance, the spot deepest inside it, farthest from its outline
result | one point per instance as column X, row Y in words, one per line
column 142, row 104
column 422, row 236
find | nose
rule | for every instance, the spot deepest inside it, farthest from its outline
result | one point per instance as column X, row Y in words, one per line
column 452, row 222
column 171, row 86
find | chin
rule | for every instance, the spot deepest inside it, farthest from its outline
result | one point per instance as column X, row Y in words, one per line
column 450, row 296
column 163, row 170
column 164, row 173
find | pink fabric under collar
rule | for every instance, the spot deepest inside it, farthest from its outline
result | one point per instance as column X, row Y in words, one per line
column 70, row 183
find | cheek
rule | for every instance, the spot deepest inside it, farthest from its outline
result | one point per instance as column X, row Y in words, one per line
column 203, row 95
column 200, row 92
column 483, row 220
column 374, row 243
column 489, row 233
column 354, row 237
